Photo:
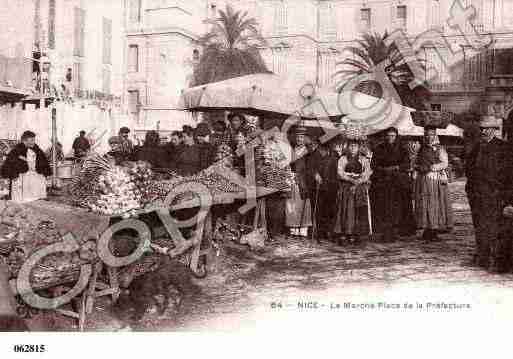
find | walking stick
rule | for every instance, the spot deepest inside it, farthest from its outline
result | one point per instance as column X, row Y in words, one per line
column 302, row 215
column 314, row 230
column 369, row 214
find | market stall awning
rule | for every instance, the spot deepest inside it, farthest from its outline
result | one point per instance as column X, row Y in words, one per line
column 268, row 93
column 407, row 127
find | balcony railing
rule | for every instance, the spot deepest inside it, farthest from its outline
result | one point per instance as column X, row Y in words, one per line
column 499, row 80
column 466, row 86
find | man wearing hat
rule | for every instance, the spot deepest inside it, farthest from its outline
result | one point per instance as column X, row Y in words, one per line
column 115, row 152
column 323, row 184
column 81, row 145
column 206, row 150
column 486, row 170
column 127, row 147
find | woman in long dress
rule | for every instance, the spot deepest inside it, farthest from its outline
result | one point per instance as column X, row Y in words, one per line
column 27, row 167
column 298, row 207
column 353, row 209
column 432, row 205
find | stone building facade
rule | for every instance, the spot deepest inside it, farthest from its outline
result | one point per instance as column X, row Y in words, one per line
column 84, row 43
column 307, row 38
column 15, row 49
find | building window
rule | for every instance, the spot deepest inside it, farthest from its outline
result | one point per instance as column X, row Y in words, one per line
column 51, row 24
column 280, row 17
column 133, row 58
column 107, row 41
column 79, row 32
column 436, row 107
column 213, row 11
column 365, row 18
column 135, row 10
column 401, row 16
column 328, row 22
column 133, row 101
column 195, row 55
column 77, row 76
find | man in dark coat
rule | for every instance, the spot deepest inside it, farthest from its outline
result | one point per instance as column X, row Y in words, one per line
column 126, row 145
column 172, row 148
column 207, row 152
column 187, row 158
column 15, row 165
column 323, row 185
column 81, row 145
column 487, row 186
column 27, row 177
column 391, row 189
column 152, row 152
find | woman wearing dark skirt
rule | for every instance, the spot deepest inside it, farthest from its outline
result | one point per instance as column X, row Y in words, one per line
column 391, row 190
column 353, row 208
column 432, row 205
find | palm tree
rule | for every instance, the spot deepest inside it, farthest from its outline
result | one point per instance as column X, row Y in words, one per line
column 230, row 48
column 372, row 50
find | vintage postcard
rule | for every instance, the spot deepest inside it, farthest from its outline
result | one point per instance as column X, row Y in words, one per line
column 213, row 166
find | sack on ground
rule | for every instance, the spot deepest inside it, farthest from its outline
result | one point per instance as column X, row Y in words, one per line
column 255, row 239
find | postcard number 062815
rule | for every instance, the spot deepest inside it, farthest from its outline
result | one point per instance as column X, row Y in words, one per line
column 25, row 348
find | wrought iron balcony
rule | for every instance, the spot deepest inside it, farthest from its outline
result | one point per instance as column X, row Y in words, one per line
column 461, row 86
column 501, row 80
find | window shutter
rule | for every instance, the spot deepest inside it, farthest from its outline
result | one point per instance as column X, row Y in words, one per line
column 107, row 41
column 51, row 25
column 411, row 26
column 393, row 14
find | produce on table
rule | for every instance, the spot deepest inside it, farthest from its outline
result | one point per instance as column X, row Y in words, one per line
column 275, row 167
column 224, row 154
column 24, row 233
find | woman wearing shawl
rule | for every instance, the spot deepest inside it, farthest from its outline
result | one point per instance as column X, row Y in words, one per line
column 298, row 207
column 391, row 190
column 432, row 206
column 354, row 170
column 27, row 166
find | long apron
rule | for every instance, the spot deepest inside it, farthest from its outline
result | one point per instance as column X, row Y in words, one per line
column 298, row 211
column 29, row 186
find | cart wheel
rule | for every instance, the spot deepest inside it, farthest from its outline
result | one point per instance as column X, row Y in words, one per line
column 201, row 271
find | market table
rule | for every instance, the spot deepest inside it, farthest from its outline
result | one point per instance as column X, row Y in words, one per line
column 86, row 225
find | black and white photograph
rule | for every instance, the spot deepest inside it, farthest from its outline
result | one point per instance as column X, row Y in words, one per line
column 230, row 166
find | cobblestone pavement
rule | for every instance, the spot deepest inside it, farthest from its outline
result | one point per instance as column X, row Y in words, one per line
column 293, row 270
column 247, row 285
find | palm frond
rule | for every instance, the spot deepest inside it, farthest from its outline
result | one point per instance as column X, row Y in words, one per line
column 371, row 50
column 355, row 63
column 230, row 48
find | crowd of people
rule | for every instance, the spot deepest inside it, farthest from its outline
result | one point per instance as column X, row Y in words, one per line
column 340, row 191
